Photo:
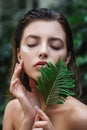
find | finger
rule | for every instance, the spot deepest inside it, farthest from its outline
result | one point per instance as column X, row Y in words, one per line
column 41, row 114
column 16, row 66
column 37, row 118
column 17, row 70
column 40, row 124
column 37, row 129
column 14, row 83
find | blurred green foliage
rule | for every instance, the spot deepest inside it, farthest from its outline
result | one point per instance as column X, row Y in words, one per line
column 7, row 27
column 76, row 13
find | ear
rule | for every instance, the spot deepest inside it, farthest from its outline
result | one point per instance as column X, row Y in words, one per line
column 18, row 55
column 68, row 58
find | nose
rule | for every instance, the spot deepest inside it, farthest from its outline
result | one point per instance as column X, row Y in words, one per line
column 43, row 52
column 43, row 56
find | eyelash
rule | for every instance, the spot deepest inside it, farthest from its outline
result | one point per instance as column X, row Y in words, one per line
column 55, row 48
column 31, row 45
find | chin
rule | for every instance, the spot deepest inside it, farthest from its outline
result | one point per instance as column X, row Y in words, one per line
column 35, row 76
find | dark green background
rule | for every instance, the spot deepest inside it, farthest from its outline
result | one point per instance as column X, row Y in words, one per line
column 76, row 13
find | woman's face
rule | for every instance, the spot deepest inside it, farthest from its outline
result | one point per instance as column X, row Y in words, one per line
column 42, row 41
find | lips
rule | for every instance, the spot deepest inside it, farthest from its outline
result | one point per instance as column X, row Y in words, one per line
column 40, row 64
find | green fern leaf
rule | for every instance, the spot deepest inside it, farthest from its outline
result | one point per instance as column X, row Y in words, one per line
column 55, row 82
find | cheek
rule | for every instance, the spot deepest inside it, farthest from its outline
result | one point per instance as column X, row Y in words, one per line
column 27, row 64
column 60, row 54
column 26, row 57
column 25, row 53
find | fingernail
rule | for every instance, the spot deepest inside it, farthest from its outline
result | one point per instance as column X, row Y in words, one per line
column 37, row 108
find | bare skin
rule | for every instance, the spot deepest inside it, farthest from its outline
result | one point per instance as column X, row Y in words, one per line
column 24, row 116
column 44, row 44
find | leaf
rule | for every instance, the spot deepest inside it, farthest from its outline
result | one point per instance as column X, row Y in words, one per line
column 55, row 82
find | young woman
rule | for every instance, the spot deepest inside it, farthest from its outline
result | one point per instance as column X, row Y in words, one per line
column 42, row 35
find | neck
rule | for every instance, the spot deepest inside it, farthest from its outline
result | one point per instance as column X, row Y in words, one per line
column 38, row 95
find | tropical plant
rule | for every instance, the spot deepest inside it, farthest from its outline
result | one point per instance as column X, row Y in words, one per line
column 55, row 82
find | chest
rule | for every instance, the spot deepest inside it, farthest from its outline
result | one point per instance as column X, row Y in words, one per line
column 60, row 120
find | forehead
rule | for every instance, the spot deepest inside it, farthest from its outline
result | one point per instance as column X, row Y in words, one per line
column 45, row 29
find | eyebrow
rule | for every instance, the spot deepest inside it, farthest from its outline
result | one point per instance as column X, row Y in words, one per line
column 50, row 39
column 53, row 39
column 56, row 39
column 32, row 36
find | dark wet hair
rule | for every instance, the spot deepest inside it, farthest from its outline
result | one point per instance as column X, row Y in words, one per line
column 46, row 15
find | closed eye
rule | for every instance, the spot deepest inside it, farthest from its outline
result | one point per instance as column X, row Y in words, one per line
column 32, row 45
column 56, row 43
column 55, row 48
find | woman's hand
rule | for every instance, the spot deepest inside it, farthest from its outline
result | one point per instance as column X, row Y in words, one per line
column 42, row 121
column 20, row 92
column 16, row 87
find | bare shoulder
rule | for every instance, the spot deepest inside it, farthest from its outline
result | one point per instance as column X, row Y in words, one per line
column 12, row 105
column 11, row 109
column 72, row 115
column 77, row 114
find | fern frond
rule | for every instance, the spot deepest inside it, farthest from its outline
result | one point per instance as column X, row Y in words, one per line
column 55, row 82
